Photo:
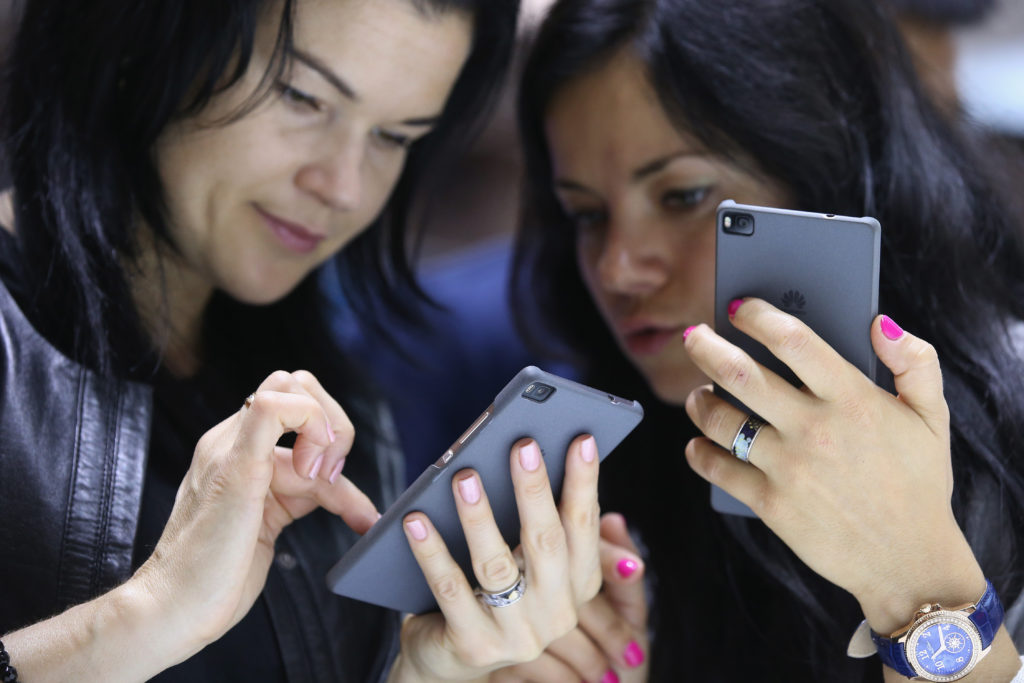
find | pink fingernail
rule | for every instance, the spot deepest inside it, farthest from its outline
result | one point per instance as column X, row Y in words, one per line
column 633, row 655
column 588, row 449
column 417, row 529
column 688, row 330
column 890, row 329
column 469, row 489
column 610, row 677
column 316, row 466
column 734, row 306
column 336, row 471
column 626, row 567
column 529, row 456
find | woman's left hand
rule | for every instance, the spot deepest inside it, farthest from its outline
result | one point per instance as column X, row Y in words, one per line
column 856, row 481
column 558, row 557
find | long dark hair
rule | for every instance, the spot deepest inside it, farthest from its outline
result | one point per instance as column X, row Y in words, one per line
column 820, row 95
column 90, row 86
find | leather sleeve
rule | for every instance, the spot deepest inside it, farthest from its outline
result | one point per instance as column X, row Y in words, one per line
column 72, row 454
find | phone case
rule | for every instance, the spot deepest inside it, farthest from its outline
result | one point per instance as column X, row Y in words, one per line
column 380, row 567
column 821, row 268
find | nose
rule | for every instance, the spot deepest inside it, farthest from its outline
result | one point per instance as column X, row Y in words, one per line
column 633, row 261
column 335, row 177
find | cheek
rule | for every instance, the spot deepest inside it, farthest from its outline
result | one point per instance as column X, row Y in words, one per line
column 588, row 252
column 701, row 268
column 382, row 175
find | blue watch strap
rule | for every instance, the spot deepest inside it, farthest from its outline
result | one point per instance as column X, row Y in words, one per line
column 988, row 615
column 893, row 655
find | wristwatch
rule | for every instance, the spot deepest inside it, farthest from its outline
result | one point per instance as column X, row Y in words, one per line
column 942, row 644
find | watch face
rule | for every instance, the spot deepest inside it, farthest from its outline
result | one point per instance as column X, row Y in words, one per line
column 944, row 647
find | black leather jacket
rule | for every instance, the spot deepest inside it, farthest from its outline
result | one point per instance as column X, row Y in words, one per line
column 73, row 449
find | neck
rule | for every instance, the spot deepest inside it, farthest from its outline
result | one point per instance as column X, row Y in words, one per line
column 171, row 298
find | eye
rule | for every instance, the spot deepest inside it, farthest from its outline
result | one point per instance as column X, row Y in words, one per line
column 685, row 198
column 296, row 98
column 587, row 219
column 391, row 139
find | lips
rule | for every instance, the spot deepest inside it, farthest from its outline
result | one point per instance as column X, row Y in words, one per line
column 650, row 341
column 292, row 236
column 646, row 336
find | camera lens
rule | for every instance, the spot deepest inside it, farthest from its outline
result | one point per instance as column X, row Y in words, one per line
column 538, row 392
column 738, row 224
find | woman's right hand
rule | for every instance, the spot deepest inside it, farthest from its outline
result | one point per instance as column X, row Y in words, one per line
column 240, row 492
column 610, row 644
column 212, row 560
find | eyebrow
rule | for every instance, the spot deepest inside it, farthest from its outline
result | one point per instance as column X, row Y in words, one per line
column 660, row 163
column 339, row 84
column 639, row 174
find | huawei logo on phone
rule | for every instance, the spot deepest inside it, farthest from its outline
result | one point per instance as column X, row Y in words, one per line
column 793, row 302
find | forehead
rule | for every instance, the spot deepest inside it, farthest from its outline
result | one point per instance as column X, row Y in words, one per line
column 380, row 41
column 610, row 118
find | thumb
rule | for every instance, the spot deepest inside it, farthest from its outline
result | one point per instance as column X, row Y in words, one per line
column 915, row 368
column 623, row 570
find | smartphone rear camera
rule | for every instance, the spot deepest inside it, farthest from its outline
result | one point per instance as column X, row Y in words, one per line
column 538, row 392
column 738, row 224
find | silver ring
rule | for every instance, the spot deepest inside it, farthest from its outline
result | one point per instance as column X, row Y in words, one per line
column 509, row 596
column 744, row 440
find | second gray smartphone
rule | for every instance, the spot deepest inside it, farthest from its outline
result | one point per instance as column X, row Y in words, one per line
column 821, row 268
column 380, row 567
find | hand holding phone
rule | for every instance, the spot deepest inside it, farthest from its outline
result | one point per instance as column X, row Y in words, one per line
column 821, row 268
column 549, row 410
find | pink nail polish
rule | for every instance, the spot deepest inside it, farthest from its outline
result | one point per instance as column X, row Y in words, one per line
column 417, row 529
column 734, row 306
column 316, row 466
column 610, row 677
column 688, row 330
column 588, row 449
column 633, row 655
column 890, row 329
column 336, row 471
column 469, row 489
column 529, row 456
column 626, row 567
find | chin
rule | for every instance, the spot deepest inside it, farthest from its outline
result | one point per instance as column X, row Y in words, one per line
column 261, row 293
column 672, row 394
column 673, row 387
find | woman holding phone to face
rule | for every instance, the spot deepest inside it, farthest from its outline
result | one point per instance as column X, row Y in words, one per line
column 639, row 117
column 181, row 170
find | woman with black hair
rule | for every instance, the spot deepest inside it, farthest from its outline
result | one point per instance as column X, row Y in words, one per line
column 639, row 117
column 180, row 171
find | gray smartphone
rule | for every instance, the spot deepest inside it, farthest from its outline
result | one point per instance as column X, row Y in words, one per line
column 821, row 268
column 380, row 567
